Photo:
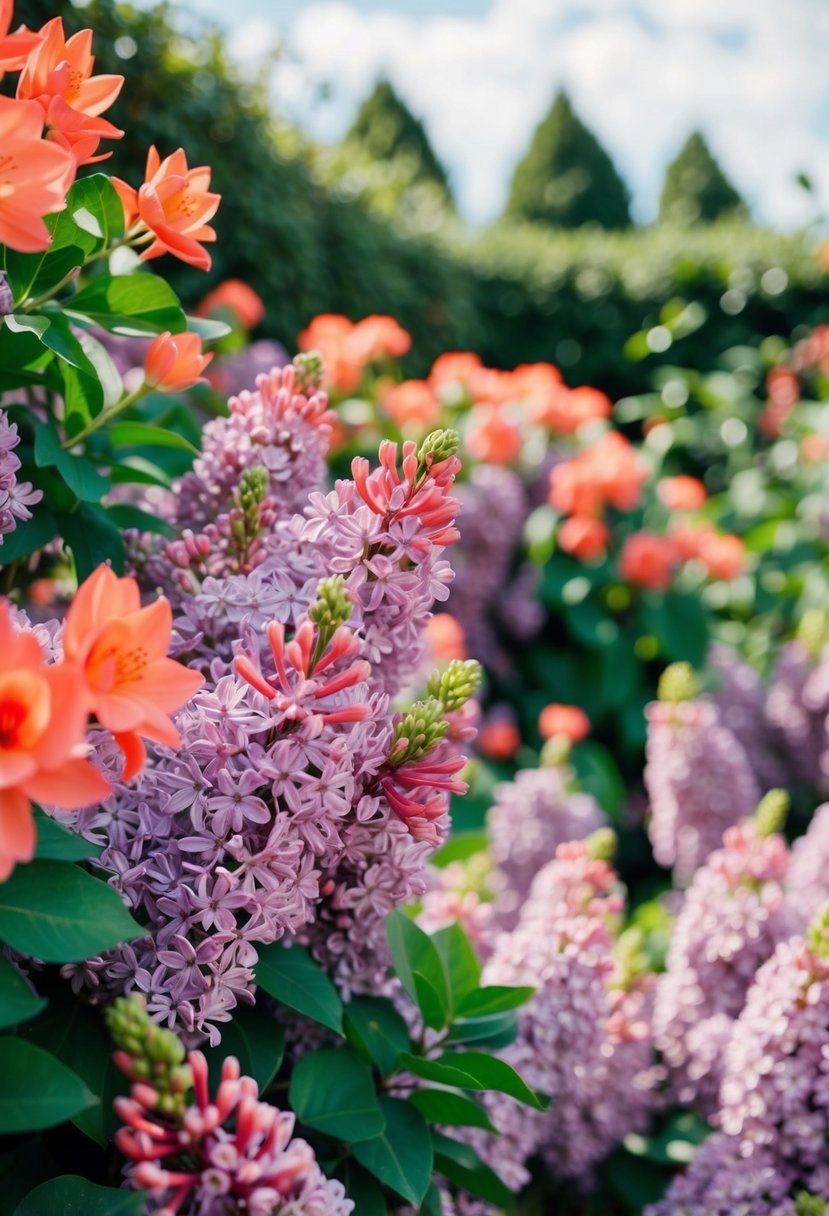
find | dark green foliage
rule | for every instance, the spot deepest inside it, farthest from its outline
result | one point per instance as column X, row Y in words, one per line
column 566, row 178
column 696, row 191
column 387, row 129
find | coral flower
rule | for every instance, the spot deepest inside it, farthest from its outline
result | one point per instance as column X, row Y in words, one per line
column 58, row 75
column 491, row 437
column 174, row 206
column 452, row 374
column 175, row 362
column 682, row 493
column 649, row 560
column 567, row 721
column 43, row 716
column 412, row 406
column 723, row 555
column 586, row 538
column 378, row 337
column 235, row 297
column 35, row 177
column 328, row 333
column 444, row 638
column 15, row 48
column 131, row 685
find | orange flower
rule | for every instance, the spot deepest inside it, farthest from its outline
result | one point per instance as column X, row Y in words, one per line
column 175, row 362
column 610, row 471
column 586, row 538
column 682, row 493
column 412, row 406
column 43, row 716
column 15, row 48
column 234, row 296
column 328, row 333
column 444, row 637
column 723, row 555
column 173, row 205
column 649, row 560
column 35, row 177
column 498, row 738
column 452, row 374
column 378, row 337
column 58, row 75
column 121, row 647
column 492, row 437
column 564, row 720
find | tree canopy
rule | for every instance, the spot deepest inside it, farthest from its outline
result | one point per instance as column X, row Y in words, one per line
column 695, row 189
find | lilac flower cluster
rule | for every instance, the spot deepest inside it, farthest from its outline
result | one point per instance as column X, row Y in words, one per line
column 297, row 807
column 583, row 1037
column 734, row 914
column 797, row 707
column 15, row 496
column 486, row 592
column 530, row 817
column 698, row 777
column 809, row 872
column 741, row 700
column 721, row 1181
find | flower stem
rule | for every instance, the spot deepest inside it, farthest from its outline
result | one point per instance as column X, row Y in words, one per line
column 106, row 416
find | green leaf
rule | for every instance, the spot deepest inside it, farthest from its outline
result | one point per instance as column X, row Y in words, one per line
column 492, row 1031
column 401, row 1156
column 93, row 217
column 57, row 912
column 108, row 375
column 17, row 1001
column 494, row 999
column 295, row 979
column 208, row 328
column 680, row 624
column 464, row 1167
column 30, row 536
column 332, row 1091
column 459, row 847
column 125, row 515
column 77, row 1036
column 460, row 963
column 145, row 434
column 419, row 968
column 92, row 538
column 453, row 1109
column 473, row 1070
column 37, row 1091
column 73, row 1196
column 80, row 474
column 30, row 274
column 83, row 398
column 256, row 1040
column 376, row 1031
column 432, row 1204
column 142, row 302
column 367, row 1194
column 57, row 843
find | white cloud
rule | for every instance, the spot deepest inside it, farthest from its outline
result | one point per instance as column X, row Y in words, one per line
column 642, row 73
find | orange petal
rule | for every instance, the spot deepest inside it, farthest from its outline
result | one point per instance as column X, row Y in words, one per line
column 168, row 684
column 17, row 831
column 135, row 754
column 75, row 784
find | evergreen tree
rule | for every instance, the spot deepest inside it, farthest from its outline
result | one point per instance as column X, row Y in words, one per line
column 386, row 129
column 695, row 189
column 566, row 179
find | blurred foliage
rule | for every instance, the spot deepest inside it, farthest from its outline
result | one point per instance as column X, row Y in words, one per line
column 567, row 179
column 695, row 189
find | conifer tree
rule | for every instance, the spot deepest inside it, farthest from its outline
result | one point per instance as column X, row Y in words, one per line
column 566, row 179
column 695, row 189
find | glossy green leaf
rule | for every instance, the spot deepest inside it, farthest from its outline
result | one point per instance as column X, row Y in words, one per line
column 462, row 1165
column 93, row 217
column 147, row 435
column 680, row 624
column 30, row 536
column 419, row 968
column 17, row 1001
column 460, row 963
column 37, row 1091
column 57, row 843
column 92, row 539
column 365, row 1191
column 494, row 999
column 208, row 328
column 55, row 911
column 135, row 301
column 376, row 1031
column 450, row 1108
column 473, row 1070
column 295, row 979
column 333, row 1091
column 492, row 1031
column 31, row 274
column 257, row 1041
column 125, row 515
column 80, row 474
column 73, row 1196
column 401, row 1156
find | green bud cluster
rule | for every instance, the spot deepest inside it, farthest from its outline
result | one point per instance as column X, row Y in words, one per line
column 809, row 1205
column 309, row 371
column 817, row 934
column 601, row 844
column 436, row 447
column 157, row 1056
column 677, row 683
column 454, row 686
column 772, row 809
column 555, row 752
column 250, row 494
column 418, row 732
column 329, row 611
column 631, row 956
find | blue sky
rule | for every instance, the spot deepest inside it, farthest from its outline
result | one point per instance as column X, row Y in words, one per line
column 643, row 73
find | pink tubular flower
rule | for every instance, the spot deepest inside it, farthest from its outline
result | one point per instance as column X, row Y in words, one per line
column 421, row 492
column 35, row 177
column 175, row 362
column 173, row 206
column 407, row 790
column 58, row 75
column 255, row 1164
